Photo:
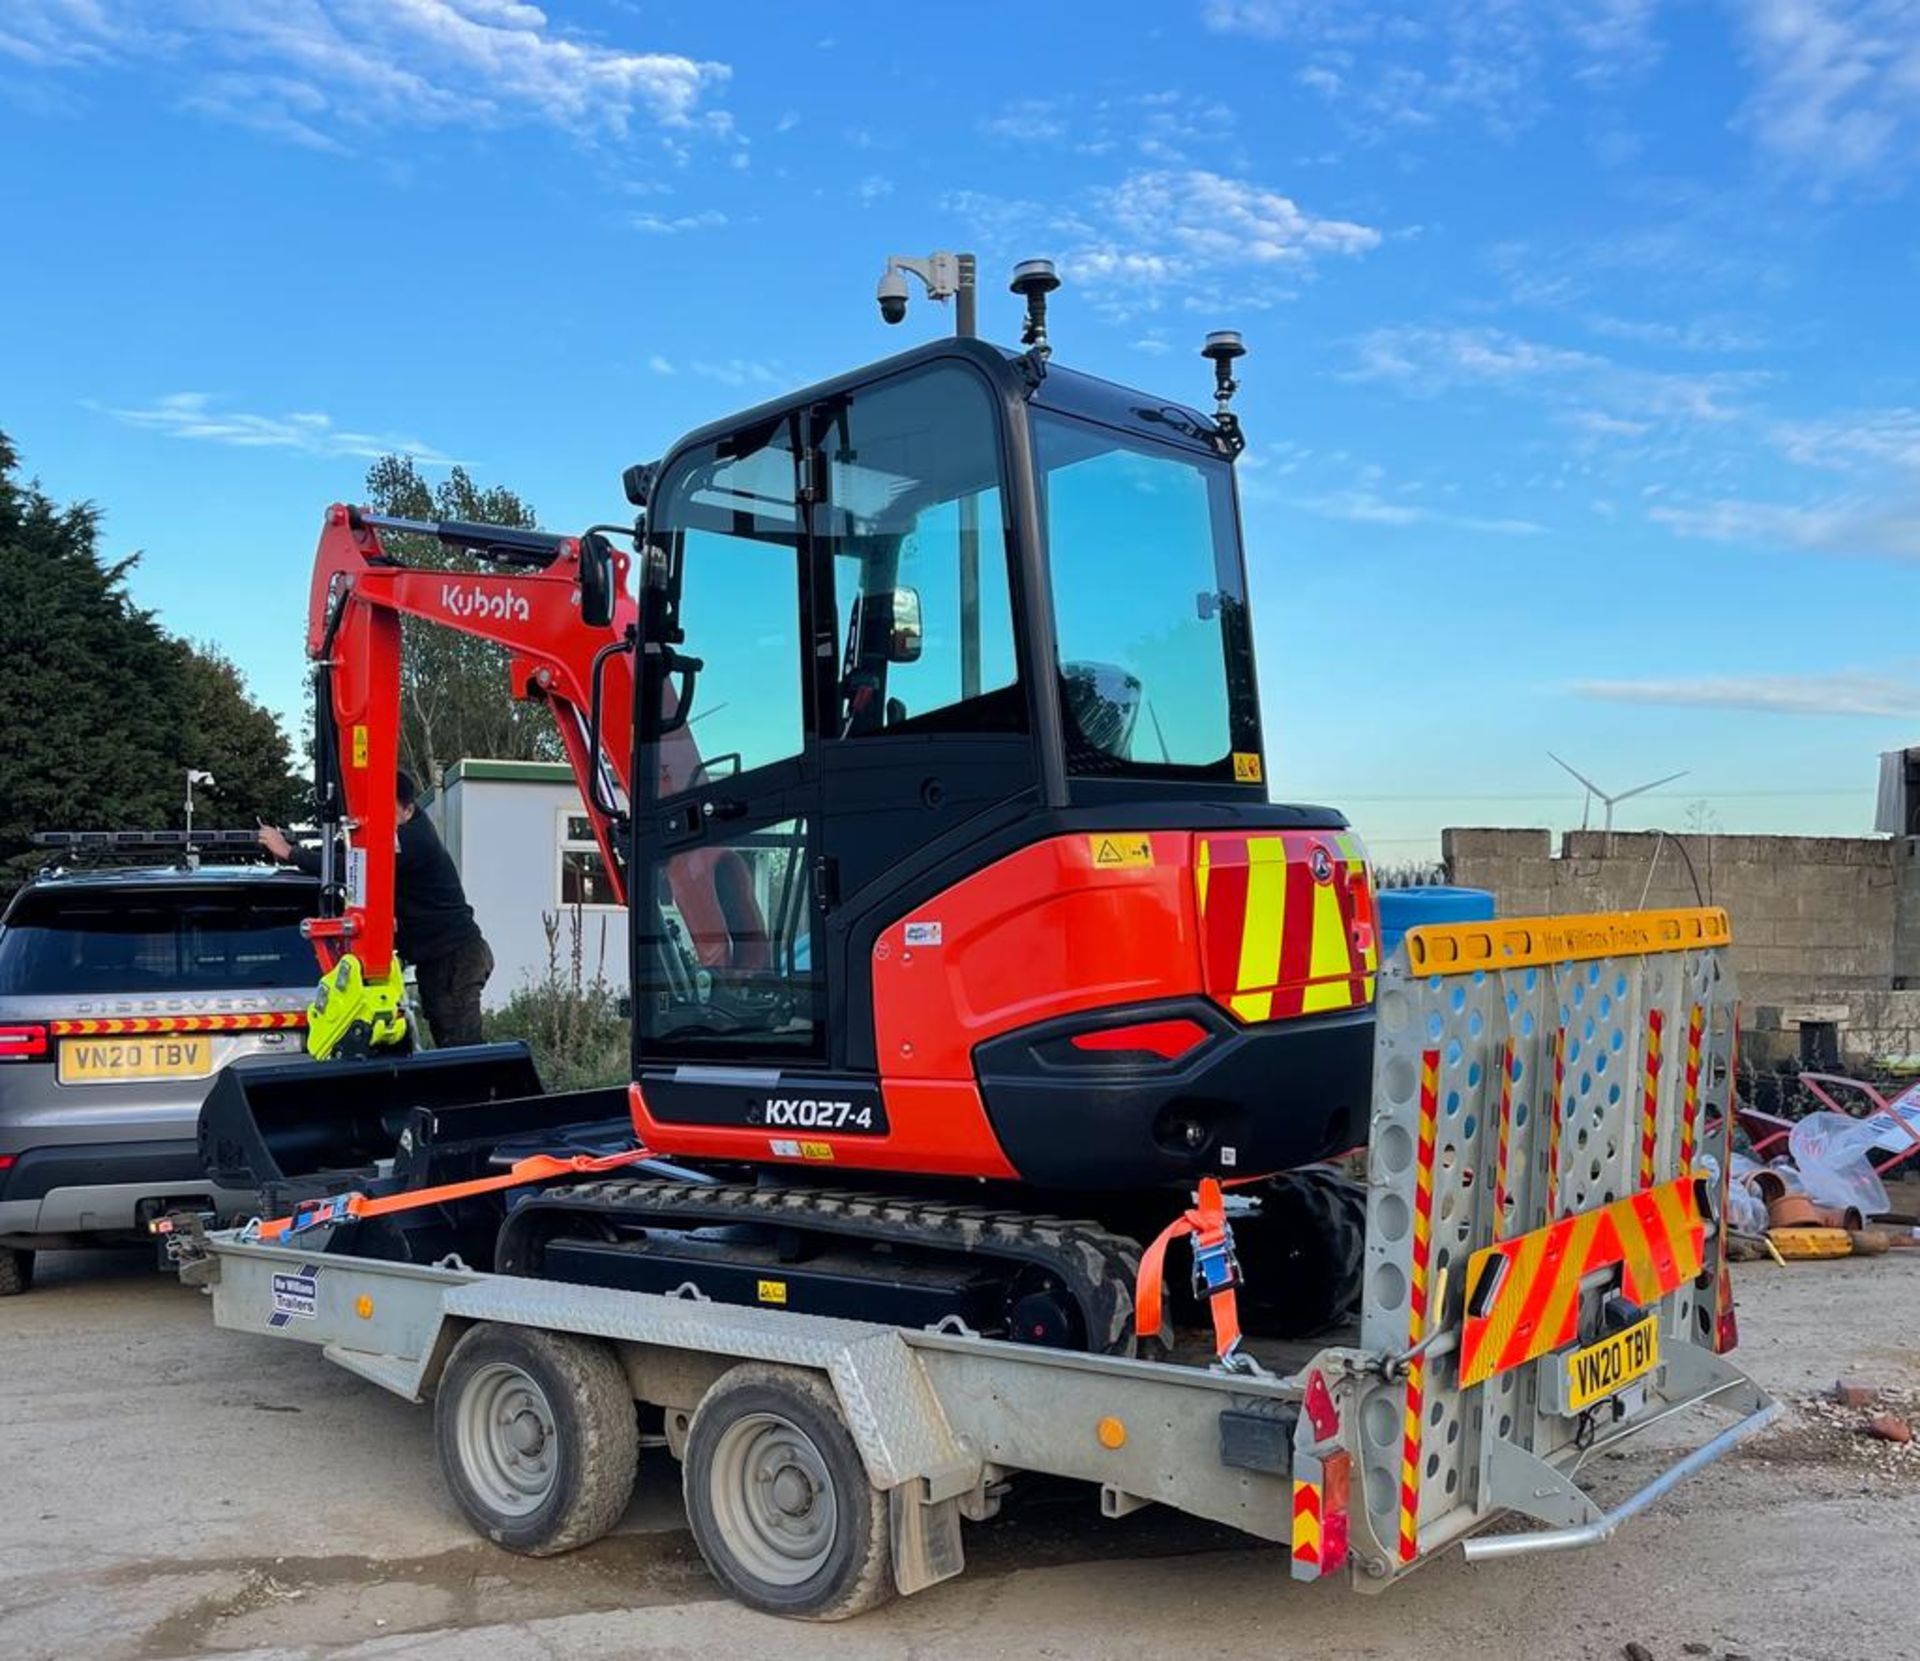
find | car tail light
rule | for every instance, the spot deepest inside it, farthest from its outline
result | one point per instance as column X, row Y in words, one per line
column 6, row 1162
column 1169, row 1040
column 23, row 1042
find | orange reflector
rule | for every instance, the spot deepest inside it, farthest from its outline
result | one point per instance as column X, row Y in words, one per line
column 1112, row 1433
column 363, row 1307
column 1337, row 1481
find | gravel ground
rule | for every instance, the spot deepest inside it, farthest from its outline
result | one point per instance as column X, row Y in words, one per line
column 173, row 1490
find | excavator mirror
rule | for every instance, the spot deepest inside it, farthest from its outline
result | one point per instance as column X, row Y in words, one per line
column 904, row 634
column 596, row 581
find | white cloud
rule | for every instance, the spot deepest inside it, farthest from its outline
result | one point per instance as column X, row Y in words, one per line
column 1166, row 126
column 1861, row 438
column 1837, row 92
column 1425, row 361
column 661, row 366
column 1847, row 525
column 1845, row 693
column 1168, row 235
column 1391, row 68
column 1434, row 358
column 657, row 224
column 740, row 372
column 873, row 188
column 1367, row 507
column 1699, row 334
column 312, row 71
column 1029, row 121
column 199, row 415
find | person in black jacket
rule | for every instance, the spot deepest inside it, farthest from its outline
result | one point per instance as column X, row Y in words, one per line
column 433, row 926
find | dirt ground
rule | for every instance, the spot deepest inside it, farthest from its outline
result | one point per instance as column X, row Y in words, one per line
column 167, row 1489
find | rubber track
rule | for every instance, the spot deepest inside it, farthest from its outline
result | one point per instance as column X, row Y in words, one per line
column 1096, row 1266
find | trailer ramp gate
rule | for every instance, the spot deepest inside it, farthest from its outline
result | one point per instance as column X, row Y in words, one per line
column 1544, row 1236
column 1542, row 1271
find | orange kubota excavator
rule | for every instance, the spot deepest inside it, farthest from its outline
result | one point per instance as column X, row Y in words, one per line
column 919, row 735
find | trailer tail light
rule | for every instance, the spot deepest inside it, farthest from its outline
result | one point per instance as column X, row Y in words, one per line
column 1169, row 1040
column 1726, row 1324
column 1336, row 1494
column 23, row 1042
column 1322, row 1532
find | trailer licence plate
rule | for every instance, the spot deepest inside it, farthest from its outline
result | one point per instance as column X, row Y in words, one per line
column 1600, row 1369
column 128, row 1060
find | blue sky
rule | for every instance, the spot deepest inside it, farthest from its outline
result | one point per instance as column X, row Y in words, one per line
column 1584, row 393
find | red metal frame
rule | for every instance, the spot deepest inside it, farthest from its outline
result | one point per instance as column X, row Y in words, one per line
column 1772, row 1130
column 355, row 604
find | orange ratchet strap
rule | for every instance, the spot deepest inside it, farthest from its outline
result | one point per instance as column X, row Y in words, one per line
column 541, row 1167
column 1216, row 1270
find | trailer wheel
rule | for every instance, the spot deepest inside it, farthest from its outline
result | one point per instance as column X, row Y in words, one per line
column 16, row 1271
column 537, row 1437
column 779, row 1500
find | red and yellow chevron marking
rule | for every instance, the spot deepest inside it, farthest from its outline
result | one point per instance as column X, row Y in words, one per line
column 1690, row 1089
column 123, row 1026
column 1417, row 1304
column 1656, row 1238
column 1306, row 1527
column 1277, row 941
column 1502, row 1192
column 1650, row 1099
column 1556, row 1111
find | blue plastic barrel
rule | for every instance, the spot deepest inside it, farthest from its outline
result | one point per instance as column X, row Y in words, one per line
column 1402, row 908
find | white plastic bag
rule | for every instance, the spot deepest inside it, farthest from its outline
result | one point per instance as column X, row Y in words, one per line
column 1746, row 1211
column 1832, row 1152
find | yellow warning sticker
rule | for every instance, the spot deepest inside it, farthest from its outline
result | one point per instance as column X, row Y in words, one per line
column 1119, row 853
column 773, row 1291
column 816, row 1150
column 1246, row 767
column 360, row 746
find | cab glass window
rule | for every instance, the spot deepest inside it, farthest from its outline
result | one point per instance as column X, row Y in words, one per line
column 916, row 525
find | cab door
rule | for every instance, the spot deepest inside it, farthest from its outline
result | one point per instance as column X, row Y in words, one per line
column 726, row 906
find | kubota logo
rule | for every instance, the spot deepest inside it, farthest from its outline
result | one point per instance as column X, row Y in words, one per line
column 478, row 602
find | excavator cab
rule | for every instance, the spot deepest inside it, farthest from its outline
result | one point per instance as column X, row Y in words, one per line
column 901, row 630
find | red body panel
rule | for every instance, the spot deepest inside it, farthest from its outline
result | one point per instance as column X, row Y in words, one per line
column 1067, row 926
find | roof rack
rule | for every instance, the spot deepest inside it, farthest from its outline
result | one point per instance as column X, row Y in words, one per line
column 104, row 847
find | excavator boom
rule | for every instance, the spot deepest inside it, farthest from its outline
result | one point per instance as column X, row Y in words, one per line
column 559, row 654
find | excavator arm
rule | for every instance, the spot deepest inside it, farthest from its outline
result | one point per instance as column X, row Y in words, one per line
column 559, row 605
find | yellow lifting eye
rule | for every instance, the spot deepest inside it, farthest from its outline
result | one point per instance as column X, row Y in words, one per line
column 1112, row 1433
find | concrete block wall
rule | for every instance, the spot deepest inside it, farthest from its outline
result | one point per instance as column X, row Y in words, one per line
column 1828, row 921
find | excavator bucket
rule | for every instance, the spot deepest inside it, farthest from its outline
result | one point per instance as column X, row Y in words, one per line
column 298, row 1131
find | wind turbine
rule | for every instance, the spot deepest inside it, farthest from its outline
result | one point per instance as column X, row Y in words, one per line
column 1595, row 790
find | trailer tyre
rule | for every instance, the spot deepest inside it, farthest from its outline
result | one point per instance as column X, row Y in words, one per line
column 537, row 1437
column 16, row 1271
column 779, row 1501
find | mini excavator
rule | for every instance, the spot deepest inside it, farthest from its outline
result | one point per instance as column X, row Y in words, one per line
column 916, row 721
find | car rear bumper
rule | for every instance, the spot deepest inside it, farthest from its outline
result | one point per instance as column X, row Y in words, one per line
column 98, row 1187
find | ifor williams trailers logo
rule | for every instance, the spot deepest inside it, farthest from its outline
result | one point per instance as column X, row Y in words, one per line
column 482, row 604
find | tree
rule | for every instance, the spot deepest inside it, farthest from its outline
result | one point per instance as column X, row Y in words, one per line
column 238, row 741
column 101, row 710
column 455, row 700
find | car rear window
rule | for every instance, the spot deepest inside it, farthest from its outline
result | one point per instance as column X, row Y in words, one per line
column 145, row 940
